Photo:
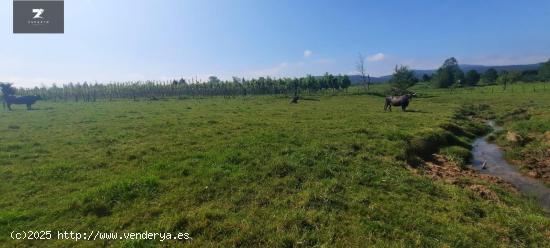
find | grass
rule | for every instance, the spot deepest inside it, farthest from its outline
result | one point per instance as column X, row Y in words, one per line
column 254, row 171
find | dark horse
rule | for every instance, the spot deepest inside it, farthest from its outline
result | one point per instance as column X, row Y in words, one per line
column 402, row 101
column 27, row 100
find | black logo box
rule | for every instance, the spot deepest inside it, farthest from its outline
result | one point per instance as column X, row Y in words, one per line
column 52, row 20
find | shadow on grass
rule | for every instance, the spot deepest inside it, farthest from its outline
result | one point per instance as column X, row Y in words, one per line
column 417, row 111
column 370, row 93
column 17, row 110
column 422, row 96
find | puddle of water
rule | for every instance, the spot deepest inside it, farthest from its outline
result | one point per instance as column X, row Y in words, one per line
column 489, row 159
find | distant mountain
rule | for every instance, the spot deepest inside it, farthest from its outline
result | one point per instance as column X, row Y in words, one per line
column 483, row 68
column 356, row 79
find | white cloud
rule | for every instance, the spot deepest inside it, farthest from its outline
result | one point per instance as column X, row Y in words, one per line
column 307, row 53
column 376, row 57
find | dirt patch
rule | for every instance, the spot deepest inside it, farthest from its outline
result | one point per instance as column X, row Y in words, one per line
column 445, row 170
column 534, row 164
column 547, row 139
column 513, row 137
column 542, row 169
column 531, row 151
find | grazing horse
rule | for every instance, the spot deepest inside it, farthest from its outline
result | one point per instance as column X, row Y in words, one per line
column 27, row 100
column 402, row 101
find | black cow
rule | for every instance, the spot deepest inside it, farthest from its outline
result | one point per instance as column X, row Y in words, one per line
column 402, row 101
column 27, row 100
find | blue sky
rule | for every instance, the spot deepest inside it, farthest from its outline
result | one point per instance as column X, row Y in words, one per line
column 117, row 40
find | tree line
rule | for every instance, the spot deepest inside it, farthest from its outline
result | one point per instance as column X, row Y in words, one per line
column 450, row 75
column 90, row 92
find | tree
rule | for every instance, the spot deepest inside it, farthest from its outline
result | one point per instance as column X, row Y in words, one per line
column 346, row 82
column 443, row 78
column 450, row 62
column 489, row 77
column 426, row 78
column 529, row 76
column 338, row 82
column 448, row 74
column 312, row 83
column 402, row 79
column 360, row 66
column 213, row 79
column 329, row 81
column 544, row 72
column 506, row 78
column 472, row 78
column 7, row 89
column 295, row 85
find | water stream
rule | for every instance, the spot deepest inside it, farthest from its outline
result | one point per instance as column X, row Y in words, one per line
column 489, row 159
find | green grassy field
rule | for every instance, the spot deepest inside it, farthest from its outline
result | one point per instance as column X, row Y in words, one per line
column 254, row 171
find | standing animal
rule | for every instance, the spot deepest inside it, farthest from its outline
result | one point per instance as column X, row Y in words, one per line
column 27, row 100
column 402, row 101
